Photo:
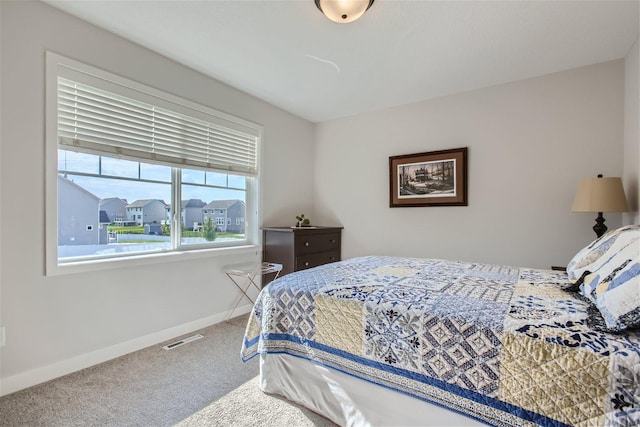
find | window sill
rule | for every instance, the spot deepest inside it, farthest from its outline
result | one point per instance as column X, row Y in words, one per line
column 148, row 259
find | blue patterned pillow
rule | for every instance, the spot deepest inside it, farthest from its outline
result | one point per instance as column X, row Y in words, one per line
column 589, row 283
column 615, row 288
column 593, row 256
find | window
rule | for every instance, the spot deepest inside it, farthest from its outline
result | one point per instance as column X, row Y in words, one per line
column 165, row 163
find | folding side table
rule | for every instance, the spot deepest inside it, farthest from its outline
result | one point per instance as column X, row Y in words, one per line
column 245, row 278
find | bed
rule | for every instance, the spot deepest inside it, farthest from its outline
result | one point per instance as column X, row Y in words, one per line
column 381, row 340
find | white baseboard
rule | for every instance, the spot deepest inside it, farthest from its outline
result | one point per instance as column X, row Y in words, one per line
column 39, row 375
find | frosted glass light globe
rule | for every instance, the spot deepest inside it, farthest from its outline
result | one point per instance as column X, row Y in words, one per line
column 343, row 11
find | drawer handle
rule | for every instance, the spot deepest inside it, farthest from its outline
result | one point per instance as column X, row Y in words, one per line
column 306, row 264
column 332, row 241
column 332, row 258
column 306, row 243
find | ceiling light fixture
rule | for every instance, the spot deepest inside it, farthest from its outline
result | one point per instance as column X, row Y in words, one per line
column 343, row 11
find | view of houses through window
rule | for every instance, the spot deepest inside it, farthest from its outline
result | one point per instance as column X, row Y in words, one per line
column 109, row 206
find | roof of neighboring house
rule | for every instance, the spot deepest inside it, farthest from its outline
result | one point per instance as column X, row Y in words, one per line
column 144, row 202
column 113, row 199
column 222, row 204
column 193, row 203
column 104, row 218
column 76, row 186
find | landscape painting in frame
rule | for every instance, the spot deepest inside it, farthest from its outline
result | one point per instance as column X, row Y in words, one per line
column 435, row 178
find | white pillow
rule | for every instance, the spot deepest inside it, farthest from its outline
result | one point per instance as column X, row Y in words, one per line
column 615, row 288
column 598, row 252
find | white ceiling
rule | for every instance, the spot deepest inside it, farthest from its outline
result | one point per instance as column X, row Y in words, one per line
column 288, row 54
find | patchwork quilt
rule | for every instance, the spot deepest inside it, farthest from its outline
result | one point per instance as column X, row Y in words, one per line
column 508, row 346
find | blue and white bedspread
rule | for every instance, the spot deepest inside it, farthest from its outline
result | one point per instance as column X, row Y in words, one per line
column 504, row 345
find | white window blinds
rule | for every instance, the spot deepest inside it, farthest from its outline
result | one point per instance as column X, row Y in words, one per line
column 102, row 122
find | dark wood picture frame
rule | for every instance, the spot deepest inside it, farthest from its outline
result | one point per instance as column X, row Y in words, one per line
column 435, row 178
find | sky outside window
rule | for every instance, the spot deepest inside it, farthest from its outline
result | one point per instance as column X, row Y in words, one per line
column 135, row 184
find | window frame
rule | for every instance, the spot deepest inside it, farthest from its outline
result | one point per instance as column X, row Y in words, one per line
column 250, row 245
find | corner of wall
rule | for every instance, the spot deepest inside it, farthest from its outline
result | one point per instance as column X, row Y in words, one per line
column 631, row 162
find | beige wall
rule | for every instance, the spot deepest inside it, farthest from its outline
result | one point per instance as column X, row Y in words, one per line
column 631, row 176
column 530, row 142
column 58, row 324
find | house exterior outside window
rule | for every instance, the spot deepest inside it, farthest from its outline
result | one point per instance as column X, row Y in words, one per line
column 191, row 213
column 153, row 211
column 226, row 214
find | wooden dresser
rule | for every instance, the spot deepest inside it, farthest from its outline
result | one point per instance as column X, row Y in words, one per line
column 301, row 248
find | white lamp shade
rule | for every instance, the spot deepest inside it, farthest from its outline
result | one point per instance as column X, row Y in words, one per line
column 600, row 195
column 343, row 11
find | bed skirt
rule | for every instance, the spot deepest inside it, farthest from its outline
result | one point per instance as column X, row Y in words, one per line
column 347, row 400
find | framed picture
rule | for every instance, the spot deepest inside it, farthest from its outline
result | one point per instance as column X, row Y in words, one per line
column 436, row 178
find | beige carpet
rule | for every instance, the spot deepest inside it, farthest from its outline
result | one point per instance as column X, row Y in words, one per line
column 249, row 406
column 203, row 383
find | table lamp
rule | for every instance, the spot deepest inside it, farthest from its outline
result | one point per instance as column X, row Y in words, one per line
column 600, row 195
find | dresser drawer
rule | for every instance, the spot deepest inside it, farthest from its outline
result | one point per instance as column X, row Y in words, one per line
column 312, row 243
column 300, row 248
column 313, row 260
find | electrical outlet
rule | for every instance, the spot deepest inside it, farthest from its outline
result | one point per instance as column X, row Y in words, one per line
column 2, row 336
